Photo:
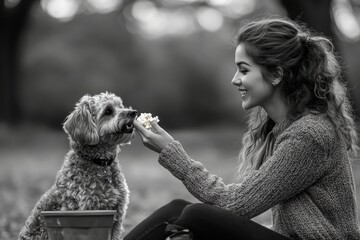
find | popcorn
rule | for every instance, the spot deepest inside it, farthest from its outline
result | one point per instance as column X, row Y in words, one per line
column 145, row 120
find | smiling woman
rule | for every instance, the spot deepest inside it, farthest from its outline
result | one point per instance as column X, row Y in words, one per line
column 295, row 154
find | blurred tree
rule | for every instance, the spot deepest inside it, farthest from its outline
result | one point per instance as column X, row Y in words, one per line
column 317, row 15
column 168, row 57
column 14, row 16
column 97, row 52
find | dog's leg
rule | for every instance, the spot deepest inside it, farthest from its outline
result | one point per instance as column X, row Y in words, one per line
column 118, row 229
column 35, row 227
column 121, row 185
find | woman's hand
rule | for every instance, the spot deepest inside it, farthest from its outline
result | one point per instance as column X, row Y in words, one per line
column 154, row 141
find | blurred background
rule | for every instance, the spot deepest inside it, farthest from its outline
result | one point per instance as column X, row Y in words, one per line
column 173, row 58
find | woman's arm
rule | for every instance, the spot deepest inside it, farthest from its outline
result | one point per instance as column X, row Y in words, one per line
column 295, row 165
column 297, row 162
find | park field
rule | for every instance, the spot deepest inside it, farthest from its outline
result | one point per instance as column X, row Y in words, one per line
column 31, row 156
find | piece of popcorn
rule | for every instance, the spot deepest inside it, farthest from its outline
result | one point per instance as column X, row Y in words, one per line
column 145, row 120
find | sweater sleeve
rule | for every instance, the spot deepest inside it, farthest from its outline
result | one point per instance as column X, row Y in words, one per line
column 297, row 162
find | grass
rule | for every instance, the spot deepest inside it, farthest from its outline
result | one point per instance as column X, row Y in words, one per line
column 30, row 158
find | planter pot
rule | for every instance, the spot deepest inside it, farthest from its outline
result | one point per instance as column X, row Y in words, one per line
column 79, row 225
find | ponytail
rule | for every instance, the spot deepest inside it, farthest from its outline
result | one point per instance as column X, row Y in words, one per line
column 322, row 67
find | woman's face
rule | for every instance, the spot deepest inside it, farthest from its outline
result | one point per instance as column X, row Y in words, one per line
column 254, row 89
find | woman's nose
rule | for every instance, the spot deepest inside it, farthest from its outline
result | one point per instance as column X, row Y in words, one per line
column 236, row 80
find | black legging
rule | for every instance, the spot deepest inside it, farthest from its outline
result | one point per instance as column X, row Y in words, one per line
column 204, row 221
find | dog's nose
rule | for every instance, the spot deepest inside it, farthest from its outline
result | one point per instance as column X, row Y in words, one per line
column 132, row 113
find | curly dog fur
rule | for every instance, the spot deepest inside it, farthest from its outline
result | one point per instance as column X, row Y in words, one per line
column 91, row 177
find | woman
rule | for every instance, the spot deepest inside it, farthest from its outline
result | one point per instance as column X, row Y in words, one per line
column 294, row 158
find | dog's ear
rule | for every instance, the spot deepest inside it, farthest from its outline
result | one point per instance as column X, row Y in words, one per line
column 80, row 126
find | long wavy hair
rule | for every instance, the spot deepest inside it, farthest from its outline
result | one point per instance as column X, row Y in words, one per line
column 311, row 82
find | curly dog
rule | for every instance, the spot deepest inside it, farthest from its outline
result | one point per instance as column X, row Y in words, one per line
column 90, row 177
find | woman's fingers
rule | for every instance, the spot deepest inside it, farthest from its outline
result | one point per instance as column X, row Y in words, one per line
column 146, row 132
column 155, row 141
column 138, row 126
column 156, row 127
column 141, row 129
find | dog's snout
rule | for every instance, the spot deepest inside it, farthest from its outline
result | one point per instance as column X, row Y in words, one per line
column 132, row 113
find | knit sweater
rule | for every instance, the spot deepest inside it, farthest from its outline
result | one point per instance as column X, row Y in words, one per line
column 307, row 182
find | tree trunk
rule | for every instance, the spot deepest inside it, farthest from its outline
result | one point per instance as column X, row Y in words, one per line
column 13, row 21
column 314, row 13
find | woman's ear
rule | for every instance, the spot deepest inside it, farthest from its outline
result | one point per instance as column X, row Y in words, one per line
column 277, row 76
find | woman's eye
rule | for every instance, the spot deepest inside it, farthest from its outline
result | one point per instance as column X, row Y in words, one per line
column 244, row 71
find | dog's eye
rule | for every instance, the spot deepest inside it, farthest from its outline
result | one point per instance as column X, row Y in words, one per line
column 108, row 112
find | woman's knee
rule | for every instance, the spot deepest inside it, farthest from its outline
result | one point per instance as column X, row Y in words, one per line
column 201, row 219
column 201, row 209
column 178, row 204
column 173, row 209
column 197, row 213
column 208, row 221
column 195, row 209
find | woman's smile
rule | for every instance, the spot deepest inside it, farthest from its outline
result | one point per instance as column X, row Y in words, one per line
column 243, row 92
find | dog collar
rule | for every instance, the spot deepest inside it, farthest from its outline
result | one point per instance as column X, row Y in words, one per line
column 97, row 161
column 102, row 162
